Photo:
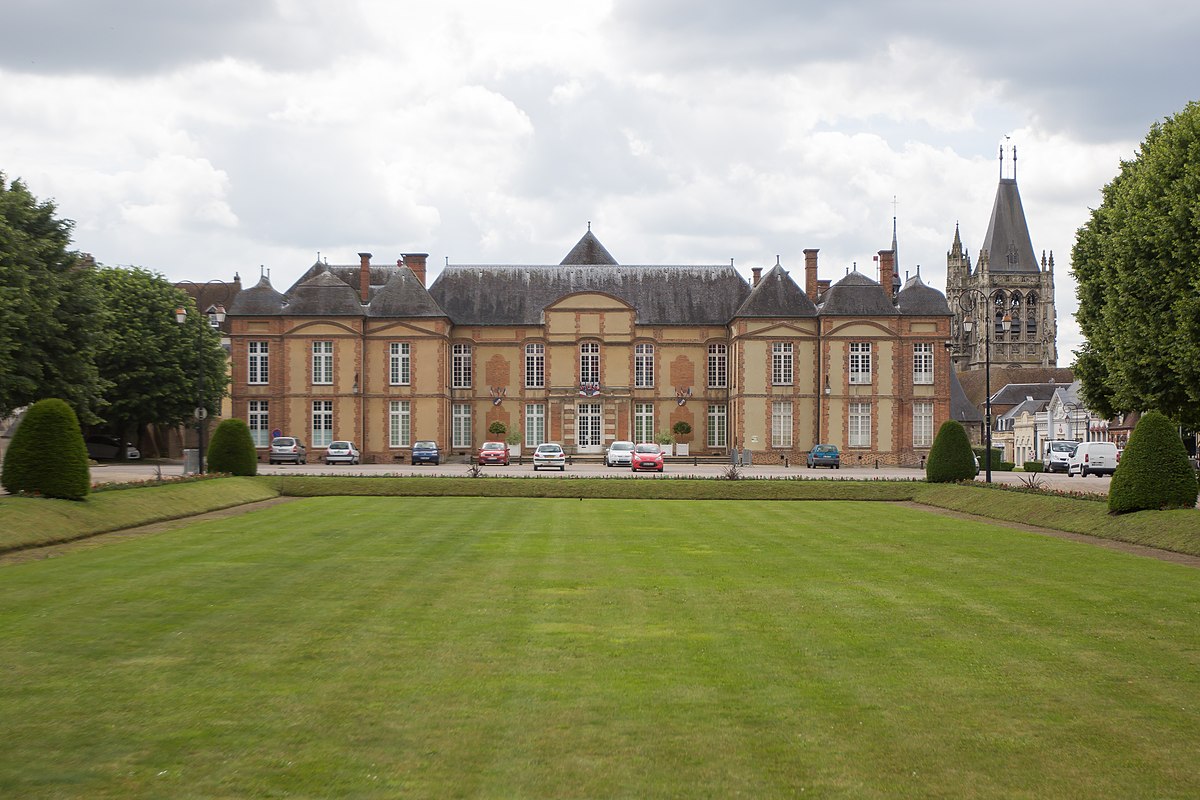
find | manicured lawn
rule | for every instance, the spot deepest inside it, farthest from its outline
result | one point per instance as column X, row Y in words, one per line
column 474, row 647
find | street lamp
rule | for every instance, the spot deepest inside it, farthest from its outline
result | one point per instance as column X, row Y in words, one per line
column 1071, row 410
column 216, row 315
column 968, row 299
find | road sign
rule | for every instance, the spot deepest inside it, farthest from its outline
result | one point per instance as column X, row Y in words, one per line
column 201, row 413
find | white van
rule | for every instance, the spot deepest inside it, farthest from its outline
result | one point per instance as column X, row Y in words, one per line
column 1056, row 453
column 1093, row 458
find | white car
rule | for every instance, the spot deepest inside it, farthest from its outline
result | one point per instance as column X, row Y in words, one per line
column 549, row 455
column 619, row 454
column 341, row 451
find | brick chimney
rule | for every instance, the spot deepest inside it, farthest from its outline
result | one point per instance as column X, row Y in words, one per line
column 416, row 262
column 887, row 269
column 364, row 277
column 757, row 274
column 811, row 287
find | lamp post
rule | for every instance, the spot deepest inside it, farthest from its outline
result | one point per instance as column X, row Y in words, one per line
column 1071, row 410
column 968, row 300
column 216, row 315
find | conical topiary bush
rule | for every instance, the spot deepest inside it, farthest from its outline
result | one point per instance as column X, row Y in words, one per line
column 47, row 455
column 232, row 450
column 1154, row 471
column 950, row 458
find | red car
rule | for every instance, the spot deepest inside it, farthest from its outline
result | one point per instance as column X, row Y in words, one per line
column 647, row 456
column 493, row 453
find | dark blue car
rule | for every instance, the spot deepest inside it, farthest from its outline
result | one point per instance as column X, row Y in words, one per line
column 426, row 453
column 825, row 455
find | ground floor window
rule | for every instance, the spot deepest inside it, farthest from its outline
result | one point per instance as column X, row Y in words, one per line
column 322, row 423
column 535, row 424
column 922, row 424
column 460, row 422
column 718, row 426
column 860, row 424
column 399, row 424
column 260, row 423
column 781, row 423
column 643, row 422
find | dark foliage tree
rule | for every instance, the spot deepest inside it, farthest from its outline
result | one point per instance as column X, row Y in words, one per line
column 232, row 450
column 1138, row 286
column 46, row 455
column 152, row 361
column 950, row 458
column 1154, row 471
column 51, row 317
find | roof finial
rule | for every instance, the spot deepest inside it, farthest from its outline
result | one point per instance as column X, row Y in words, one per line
column 777, row 259
column 589, row 226
column 1002, row 159
column 1014, row 162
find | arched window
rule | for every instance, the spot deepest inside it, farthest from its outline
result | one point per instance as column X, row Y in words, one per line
column 1014, row 311
column 1031, row 315
column 998, row 304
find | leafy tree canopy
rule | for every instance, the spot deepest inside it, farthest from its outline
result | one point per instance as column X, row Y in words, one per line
column 1138, row 285
column 51, row 318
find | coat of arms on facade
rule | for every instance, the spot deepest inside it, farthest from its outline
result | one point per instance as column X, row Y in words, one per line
column 498, row 393
column 682, row 393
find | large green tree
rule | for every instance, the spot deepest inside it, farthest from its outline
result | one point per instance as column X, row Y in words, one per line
column 51, row 317
column 1135, row 262
column 153, row 361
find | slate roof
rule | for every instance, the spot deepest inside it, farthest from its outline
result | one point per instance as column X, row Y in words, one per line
column 961, row 408
column 661, row 295
column 856, row 295
column 777, row 295
column 917, row 299
column 1025, row 406
column 349, row 274
column 973, row 380
column 1007, row 240
column 259, row 300
column 1014, row 393
column 323, row 295
column 588, row 250
column 404, row 296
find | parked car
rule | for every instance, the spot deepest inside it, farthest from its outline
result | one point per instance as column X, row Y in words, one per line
column 825, row 455
column 647, row 456
column 341, row 452
column 426, row 453
column 287, row 449
column 100, row 447
column 619, row 454
column 1058, row 453
column 493, row 453
column 1093, row 458
column 549, row 454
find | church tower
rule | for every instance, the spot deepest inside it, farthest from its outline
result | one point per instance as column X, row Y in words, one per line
column 1011, row 283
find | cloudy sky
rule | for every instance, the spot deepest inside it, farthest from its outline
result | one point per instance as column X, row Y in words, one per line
column 200, row 139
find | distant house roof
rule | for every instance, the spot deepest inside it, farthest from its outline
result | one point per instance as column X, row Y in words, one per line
column 973, row 380
column 856, row 295
column 213, row 293
column 588, row 250
column 258, row 301
column 404, row 296
column 1013, row 393
column 917, row 299
column 777, row 295
column 323, row 295
column 961, row 408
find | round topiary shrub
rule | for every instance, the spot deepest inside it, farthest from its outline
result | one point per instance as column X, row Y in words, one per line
column 232, row 450
column 950, row 458
column 1154, row 471
column 47, row 455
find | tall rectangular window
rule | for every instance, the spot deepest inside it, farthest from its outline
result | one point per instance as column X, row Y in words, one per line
column 399, row 424
column 781, row 423
column 460, row 425
column 717, row 366
column 535, row 366
column 781, row 363
column 322, row 363
column 258, row 363
column 400, row 364
column 643, row 422
column 923, row 424
column 922, row 362
column 260, row 423
column 718, row 426
column 860, row 362
column 322, row 423
column 860, row 424
column 643, row 366
column 535, row 424
column 589, row 362
column 461, row 367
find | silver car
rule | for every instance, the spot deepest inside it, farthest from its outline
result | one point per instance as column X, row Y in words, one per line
column 287, row 449
column 619, row 454
column 343, row 452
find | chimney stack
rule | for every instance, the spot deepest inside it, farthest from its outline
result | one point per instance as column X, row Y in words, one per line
column 811, row 288
column 364, row 277
column 887, row 270
column 416, row 262
column 757, row 274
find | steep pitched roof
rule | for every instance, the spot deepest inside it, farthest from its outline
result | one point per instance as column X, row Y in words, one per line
column 259, row 300
column 323, row 295
column 1007, row 241
column 588, row 250
column 856, row 295
column 777, row 295
column 917, row 299
column 517, row 295
column 961, row 408
column 350, row 275
column 404, row 296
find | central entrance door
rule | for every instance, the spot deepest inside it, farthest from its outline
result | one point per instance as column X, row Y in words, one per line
column 588, row 435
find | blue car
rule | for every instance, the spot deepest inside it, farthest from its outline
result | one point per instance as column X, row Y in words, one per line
column 426, row 453
column 825, row 455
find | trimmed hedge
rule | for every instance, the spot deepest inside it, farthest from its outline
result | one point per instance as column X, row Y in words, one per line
column 950, row 458
column 47, row 455
column 232, row 450
column 1154, row 472
column 1033, row 466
